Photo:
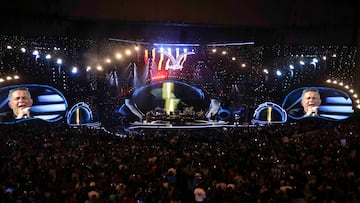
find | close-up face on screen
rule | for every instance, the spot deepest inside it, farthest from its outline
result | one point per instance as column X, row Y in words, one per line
column 322, row 102
column 31, row 101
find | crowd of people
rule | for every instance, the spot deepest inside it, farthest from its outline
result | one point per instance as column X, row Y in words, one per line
column 311, row 161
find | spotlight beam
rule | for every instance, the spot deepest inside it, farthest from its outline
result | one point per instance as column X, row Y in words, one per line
column 128, row 41
column 230, row 44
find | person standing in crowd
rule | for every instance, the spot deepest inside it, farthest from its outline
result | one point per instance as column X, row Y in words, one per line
column 20, row 102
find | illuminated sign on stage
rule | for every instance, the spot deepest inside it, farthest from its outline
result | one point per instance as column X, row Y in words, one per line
column 79, row 114
column 269, row 113
column 176, row 63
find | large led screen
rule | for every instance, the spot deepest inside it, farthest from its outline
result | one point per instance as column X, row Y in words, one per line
column 332, row 104
column 49, row 104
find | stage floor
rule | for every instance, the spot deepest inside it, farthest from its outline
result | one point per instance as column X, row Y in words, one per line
column 185, row 125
